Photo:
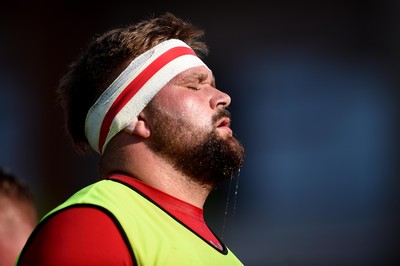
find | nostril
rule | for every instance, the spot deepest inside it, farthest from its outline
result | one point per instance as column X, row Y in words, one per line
column 226, row 100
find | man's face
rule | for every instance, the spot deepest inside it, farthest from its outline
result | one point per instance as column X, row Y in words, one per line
column 190, row 128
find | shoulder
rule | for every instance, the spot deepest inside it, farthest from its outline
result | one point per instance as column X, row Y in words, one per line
column 83, row 235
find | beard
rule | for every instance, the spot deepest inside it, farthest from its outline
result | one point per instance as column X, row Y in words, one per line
column 205, row 157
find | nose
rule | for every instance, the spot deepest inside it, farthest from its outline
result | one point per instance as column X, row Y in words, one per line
column 220, row 99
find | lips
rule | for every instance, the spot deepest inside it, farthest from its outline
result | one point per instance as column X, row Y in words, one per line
column 224, row 124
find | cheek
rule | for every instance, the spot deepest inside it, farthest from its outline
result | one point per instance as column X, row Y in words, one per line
column 187, row 106
column 193, row 112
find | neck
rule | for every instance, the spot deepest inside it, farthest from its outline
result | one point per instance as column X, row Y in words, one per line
column 151, row 169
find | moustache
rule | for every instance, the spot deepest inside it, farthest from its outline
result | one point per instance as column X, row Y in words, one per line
column 221, row 114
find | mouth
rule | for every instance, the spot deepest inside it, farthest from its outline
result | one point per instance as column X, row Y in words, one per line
column 224, row 124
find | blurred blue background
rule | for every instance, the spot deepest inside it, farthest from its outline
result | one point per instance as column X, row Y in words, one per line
column 315, row 100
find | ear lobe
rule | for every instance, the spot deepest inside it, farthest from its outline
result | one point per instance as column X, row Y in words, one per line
column 139, row 128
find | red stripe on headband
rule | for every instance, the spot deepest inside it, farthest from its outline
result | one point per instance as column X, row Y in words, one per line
column 135, row 85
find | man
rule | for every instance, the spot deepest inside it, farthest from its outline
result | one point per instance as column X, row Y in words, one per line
column 142, row 98
column 18, row 216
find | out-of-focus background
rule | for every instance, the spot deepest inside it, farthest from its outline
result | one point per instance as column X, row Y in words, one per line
column 315, row 100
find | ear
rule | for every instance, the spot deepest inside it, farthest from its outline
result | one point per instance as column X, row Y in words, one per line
column 139, row 127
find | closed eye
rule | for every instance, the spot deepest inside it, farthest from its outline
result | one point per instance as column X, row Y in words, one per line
column 194, row 81
column 192, row 87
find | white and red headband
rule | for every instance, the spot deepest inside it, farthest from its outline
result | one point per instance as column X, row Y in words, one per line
column 121, row 103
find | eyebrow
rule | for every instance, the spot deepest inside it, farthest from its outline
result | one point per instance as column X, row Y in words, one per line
column 200, row 77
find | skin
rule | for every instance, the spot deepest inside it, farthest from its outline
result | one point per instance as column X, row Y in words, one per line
column 16, row 226
column 192, row 96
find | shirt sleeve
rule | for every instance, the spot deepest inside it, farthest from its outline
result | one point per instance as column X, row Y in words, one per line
column 77, row 236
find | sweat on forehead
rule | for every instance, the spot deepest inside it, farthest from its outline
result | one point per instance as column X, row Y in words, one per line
column 132, row 90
